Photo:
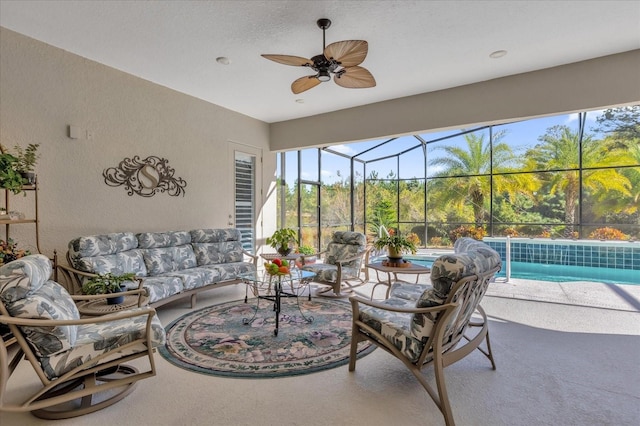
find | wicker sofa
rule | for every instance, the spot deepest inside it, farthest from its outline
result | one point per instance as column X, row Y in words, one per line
column 172, row 265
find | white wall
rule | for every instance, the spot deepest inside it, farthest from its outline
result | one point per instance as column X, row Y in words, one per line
column 44, row 89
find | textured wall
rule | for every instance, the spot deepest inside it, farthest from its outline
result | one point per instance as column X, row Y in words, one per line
column 44, row 89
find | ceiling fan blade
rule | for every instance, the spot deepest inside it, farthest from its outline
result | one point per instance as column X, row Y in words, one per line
column 298, row 61
column 347, row 53
column 355, row 78
column 304, row 83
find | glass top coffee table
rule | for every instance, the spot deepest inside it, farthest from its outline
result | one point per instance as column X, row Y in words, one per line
column 274, row 287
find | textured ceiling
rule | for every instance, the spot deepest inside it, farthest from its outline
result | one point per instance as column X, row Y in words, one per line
column 414, row 46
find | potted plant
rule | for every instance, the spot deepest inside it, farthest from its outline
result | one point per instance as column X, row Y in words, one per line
column 108, row 284
column 282, row 239
column 26, row 161
column 10, row 178
column 395, row 244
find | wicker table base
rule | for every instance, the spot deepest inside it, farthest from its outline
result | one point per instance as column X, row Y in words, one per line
column 101, row 307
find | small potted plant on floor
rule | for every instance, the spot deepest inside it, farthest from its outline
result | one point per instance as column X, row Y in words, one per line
column 282, row 239
column 108, row 284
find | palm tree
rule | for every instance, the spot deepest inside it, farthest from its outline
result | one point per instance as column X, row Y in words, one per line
column 560, row 151
column 475, row 162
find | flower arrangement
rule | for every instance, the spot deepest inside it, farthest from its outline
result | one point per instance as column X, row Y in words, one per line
column 9, row 251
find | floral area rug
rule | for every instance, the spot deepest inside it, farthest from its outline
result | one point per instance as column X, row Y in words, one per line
column 227, row 340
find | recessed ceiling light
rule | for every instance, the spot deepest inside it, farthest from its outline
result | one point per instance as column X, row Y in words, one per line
column 300, row 101
column 497, row 54
column 223, row 60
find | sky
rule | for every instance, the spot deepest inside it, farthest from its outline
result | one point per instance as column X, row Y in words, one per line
column 519, row 135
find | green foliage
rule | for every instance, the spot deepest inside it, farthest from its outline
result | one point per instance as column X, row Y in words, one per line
column 10, row 178
column 282, row 238
column 624, row 122
column 27, row 158
column 106, row 283
column 305, row 250
column 608, row 234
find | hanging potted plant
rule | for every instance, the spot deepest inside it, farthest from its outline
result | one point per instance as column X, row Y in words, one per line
column 282, row 239
column 108, row 284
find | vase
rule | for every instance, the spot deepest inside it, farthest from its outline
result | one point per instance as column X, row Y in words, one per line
column 29, row 178
column 284, row 251
column 116, row 300
column 394, row 255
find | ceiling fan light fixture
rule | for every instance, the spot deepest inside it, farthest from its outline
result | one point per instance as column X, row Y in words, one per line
column 323, row 75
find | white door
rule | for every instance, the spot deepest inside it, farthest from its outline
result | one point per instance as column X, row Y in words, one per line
column 247, row 168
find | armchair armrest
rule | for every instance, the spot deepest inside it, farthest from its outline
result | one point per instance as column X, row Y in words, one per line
column 254, row 258
column 130, row 313
column 72, row 278
column 357, row 300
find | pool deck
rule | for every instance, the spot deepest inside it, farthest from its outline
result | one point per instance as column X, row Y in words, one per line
column 581, row 293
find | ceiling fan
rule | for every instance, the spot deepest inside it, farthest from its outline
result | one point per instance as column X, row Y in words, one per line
column 340, row 59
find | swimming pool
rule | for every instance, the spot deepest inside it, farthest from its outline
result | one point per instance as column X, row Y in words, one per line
column 555, row 273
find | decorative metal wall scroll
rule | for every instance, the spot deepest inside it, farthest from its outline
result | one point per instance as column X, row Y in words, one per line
column 145, row 177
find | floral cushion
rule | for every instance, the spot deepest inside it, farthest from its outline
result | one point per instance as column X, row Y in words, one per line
column 215, row 235
column 230, row 271
column 217, row 246
column 168, row 259
column 394, row 326
column 162, row 286
column 23, row 276
column 117, row 264
column 329, row 273
column 148, row 240
column 218, row 253
column 99, row 245
column 97, row 339
column 26, row 291
column 50, row 301
column 344, row 245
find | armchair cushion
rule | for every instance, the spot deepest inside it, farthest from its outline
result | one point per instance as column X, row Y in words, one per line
column 23, row 276
column 396, row 327
column 329, row 272
column 345, row 245
column 96, row 339
column 27, row 293
column 51, row 302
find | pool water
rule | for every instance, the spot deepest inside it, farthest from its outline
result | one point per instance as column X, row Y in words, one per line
column 558, row 273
